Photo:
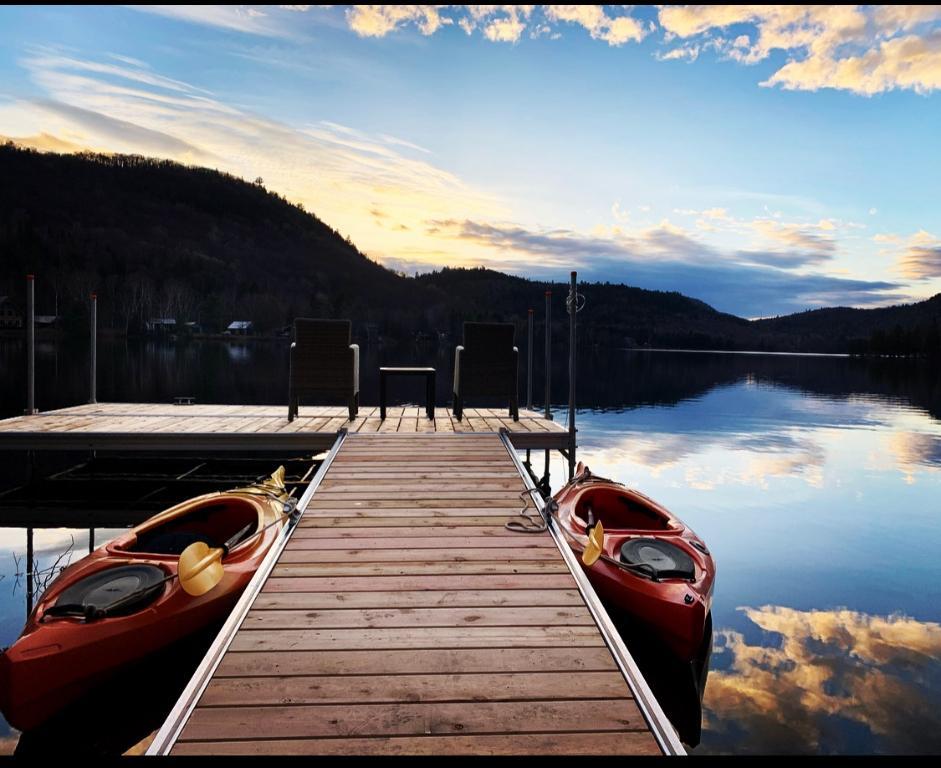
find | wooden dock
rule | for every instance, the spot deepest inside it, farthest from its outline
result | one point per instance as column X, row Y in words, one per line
column 400, row 616
column 151, row 426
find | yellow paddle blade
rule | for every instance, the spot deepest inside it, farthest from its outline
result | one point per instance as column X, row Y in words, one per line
column 594, row 546
column 200, row 568
column 277, row 479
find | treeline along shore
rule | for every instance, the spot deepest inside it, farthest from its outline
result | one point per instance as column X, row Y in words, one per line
column 196, row 250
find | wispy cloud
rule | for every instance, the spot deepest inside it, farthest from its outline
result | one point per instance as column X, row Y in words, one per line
column 339, row 172
column 260, row 20
column 667, row 257
column 921, row 258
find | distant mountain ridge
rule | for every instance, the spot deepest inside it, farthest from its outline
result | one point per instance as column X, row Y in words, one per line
column 159, row 239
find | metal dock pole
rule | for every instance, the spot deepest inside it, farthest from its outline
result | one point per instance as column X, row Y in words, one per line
column 572, row 303
column 93, row 372
column 529, row 376
column 30, row 587
column 545, row 474
column 529, row 365
column 30, row 345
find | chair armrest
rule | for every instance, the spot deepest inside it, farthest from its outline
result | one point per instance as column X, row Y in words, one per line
column 354, row 348
column 457, row 368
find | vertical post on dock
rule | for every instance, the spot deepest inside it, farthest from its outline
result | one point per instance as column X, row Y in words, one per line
column 529, row 377
column 548, row 350
column 93, row 362
column 30, row 345
column 572, row 303
column 545, row 474
column 529, row 365
column 29, row 571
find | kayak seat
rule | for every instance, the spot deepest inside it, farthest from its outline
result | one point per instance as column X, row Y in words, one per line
column 171, row 542
column 666, row 560
column 112, row 584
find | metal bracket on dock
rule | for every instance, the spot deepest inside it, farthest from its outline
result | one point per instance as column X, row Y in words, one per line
column 663, row 731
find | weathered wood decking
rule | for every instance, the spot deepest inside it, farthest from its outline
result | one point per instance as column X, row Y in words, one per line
column 150, row 426
column 402, row 617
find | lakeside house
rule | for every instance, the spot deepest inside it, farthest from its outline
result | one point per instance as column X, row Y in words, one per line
column 240, row 328
column 10, row 316
column 159, row 326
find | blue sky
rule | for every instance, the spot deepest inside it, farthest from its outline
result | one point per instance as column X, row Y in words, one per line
column 763, row 159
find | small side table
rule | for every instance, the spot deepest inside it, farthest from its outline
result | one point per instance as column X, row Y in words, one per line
column 428, row 373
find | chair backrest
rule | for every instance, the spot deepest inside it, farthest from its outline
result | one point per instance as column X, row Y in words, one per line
column 484, row 338
column 322, row 335
column 322, row 362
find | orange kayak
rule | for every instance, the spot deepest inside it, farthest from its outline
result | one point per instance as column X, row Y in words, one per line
column 123, row 601
column 653, row 566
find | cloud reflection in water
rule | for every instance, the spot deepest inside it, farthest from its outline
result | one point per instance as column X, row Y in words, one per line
column 826, row 681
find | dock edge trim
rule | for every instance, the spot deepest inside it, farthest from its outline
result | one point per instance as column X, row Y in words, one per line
column 660, row 725
column 172, row 727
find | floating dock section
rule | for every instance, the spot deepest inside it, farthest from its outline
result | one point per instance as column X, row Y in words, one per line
column 157, row 427
column 400, row 616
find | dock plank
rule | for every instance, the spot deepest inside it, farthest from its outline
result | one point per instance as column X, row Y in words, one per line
column 429, row 661
column 381, row 689
column 305, row 721
column 584, row 743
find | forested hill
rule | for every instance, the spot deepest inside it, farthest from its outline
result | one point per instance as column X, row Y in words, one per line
column 158, row 239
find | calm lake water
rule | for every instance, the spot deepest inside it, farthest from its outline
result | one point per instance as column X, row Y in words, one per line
column 814, row 480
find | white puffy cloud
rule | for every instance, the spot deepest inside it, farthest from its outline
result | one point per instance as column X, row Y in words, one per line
column 498, row 23
column 863, row 49
column 380, row 20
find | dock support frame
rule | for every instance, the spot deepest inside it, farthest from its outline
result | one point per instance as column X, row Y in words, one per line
column 93, row 351
column 30, row 345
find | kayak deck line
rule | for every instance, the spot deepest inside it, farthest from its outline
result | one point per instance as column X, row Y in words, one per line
column 154, row 426
column 400, row 616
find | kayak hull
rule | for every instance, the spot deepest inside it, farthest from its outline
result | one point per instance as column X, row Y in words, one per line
column 674, row 609
column 58, row 658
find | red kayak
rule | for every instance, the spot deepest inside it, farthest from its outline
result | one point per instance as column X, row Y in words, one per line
column 652, row 565
column 124, row 600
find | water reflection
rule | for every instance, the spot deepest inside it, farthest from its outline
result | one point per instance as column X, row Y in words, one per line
column 834, row 681
column 826, row 505
column 813, row 480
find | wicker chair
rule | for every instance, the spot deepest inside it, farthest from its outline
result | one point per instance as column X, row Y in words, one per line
column 323, row 363
column 486, row 365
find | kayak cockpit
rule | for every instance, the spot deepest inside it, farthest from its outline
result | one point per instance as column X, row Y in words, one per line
column 214, row 522
column 616, row 510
